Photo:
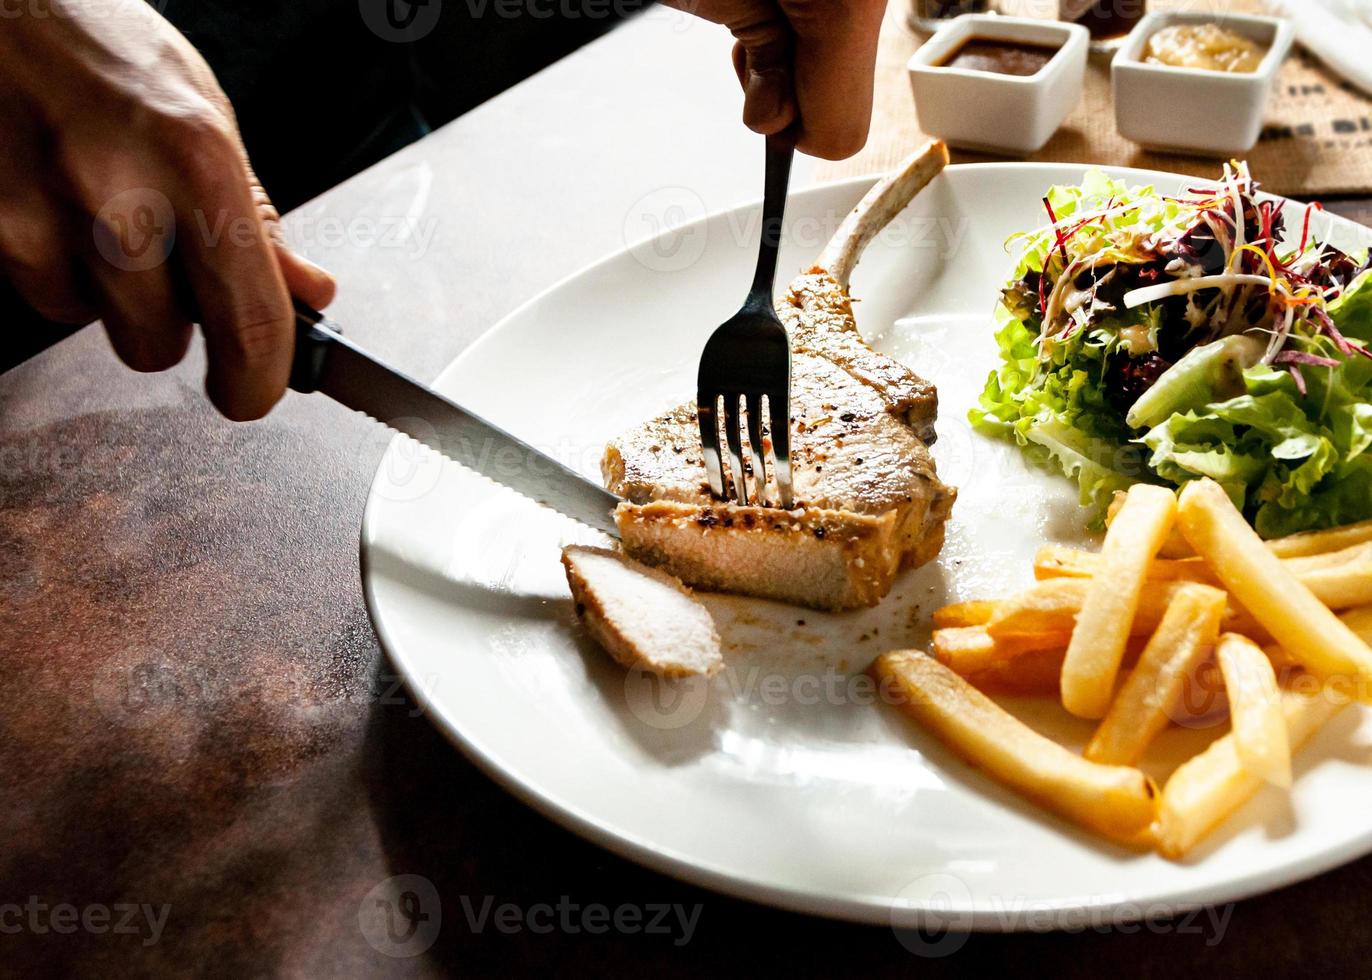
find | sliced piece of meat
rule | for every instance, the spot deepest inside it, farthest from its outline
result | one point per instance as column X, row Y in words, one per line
column 643, row 617
column 868, row 501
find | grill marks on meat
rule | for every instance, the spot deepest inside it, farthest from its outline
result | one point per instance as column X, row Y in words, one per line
column 819, row 315
column 868, row 501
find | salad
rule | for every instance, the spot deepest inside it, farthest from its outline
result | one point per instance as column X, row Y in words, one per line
column 1153, row 338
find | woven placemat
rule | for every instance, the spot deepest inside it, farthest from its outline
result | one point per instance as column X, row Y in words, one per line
column 1317, row 140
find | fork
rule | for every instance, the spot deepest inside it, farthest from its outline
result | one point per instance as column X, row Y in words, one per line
column 747, row 359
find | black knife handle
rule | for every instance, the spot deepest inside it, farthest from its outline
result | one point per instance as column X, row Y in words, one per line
column 314, row 335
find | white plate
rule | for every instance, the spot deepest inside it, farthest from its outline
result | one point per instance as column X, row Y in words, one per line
column 781, row 781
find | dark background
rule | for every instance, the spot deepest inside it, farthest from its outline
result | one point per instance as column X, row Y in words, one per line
column 320, row 96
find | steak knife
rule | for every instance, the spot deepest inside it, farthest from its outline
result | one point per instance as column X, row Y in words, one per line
column 327, row 362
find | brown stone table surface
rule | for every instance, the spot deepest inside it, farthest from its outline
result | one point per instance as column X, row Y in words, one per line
column 197, row 717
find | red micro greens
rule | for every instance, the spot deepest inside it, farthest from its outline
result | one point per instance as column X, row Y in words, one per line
column 1062, row 241
column 1301, row 357
column 1305, row 226
column 1268, row 214
column 1331, row 331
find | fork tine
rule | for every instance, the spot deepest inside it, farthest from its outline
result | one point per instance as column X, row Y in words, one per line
column 706, row 406
column 748, row 359
column 733, row 434
column 753, row 406
column 779, row 410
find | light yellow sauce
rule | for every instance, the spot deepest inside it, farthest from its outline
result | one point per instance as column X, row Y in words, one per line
column 1205, row 46
column 1138, row 339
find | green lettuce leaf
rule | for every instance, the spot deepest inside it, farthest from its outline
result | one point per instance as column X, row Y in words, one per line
column 1353, row 310
column 1058, row 411
column 1291, row 459
column 1291, row 462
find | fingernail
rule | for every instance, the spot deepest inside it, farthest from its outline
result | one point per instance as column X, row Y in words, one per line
column 768, row 101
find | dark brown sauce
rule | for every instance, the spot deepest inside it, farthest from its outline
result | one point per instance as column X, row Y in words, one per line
column 1000, row 57
column 1105, row 19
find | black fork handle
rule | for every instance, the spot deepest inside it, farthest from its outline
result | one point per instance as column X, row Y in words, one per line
column 781, row 149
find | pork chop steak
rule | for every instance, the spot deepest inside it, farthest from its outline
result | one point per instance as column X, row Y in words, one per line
column 867, row 499
column 643, row 617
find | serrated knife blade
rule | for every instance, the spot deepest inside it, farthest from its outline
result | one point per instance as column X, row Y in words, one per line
column 329, row 363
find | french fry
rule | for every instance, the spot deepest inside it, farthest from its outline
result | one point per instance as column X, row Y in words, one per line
column 1175, row 546
column 1032, row 674
column 1107, row 615
column 1339, row 579
column 1038, row 673
column 1319, row 542
column 1259, row 727
column 1208, row 787
column 1058, row 561
column 1044, row 607
column 975, row 613
column 1292, row 546
column 1341, row 586
column 1052, row 606
column 1202, row 699
column 1358, row 620
column 1287, row 609
column 1203, row 696
column 1353, row 554
column 1153, row 692
column 1280, row 660
column 971, row 650
column 1117, row 801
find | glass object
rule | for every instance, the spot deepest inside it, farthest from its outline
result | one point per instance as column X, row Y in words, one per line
column 1109, row 21
column 929, row 15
